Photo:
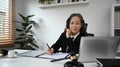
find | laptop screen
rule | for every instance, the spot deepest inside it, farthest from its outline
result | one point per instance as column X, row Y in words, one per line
column 97, row 47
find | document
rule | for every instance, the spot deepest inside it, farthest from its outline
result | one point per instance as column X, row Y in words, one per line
column 54, row 56
column 32, row 53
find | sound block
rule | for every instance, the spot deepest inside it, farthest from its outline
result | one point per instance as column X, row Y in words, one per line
column 73, row 64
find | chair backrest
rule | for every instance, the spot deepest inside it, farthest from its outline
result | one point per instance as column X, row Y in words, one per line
column 85, row 28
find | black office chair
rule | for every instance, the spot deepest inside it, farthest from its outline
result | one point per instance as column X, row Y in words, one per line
column 85, row 28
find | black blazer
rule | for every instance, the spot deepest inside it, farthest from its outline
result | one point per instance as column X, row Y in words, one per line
column 67, row 44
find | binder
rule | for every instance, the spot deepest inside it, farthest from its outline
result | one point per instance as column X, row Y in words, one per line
column 108, row 62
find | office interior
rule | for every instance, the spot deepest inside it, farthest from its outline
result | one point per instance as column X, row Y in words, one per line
column 51, row 21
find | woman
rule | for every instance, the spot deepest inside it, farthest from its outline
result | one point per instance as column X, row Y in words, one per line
column 69, row 41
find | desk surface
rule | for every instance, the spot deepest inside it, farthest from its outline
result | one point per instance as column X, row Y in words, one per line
column 20, row 61
column 35, row 62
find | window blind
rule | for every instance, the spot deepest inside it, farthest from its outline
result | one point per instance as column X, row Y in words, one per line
column 6, row 23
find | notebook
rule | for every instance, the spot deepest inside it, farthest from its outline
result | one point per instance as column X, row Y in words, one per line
column 97, row 47
column 108, row 62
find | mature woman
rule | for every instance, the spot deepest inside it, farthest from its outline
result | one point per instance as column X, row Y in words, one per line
column 69, row 40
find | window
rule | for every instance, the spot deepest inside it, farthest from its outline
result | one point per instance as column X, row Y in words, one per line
column 6, row 23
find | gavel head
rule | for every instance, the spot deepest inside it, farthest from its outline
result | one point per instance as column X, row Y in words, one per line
column 73, row 56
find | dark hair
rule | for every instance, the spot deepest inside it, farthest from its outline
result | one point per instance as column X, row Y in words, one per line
column 82, row 30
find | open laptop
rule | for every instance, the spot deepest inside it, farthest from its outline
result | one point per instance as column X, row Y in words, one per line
column 97, row 47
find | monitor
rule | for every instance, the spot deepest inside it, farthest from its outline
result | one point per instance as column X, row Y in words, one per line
column 97, row 47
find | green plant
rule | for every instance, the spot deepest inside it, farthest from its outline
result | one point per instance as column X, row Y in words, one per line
column 43, row 1
column 25, row 38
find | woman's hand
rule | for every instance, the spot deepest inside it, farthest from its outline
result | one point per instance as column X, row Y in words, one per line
column 50, row 51
column 68, row 33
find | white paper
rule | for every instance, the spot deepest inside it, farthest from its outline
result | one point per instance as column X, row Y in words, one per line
column 32, row 53
column 54, row 56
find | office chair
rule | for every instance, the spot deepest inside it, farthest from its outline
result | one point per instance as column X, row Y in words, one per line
column 85, row 28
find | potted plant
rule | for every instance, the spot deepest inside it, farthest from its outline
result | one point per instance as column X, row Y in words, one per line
column 43, row 1
column 25, row 39
column 118, row 1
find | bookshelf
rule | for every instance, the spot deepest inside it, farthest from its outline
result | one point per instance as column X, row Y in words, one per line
column 52, row 5
column 115, row 25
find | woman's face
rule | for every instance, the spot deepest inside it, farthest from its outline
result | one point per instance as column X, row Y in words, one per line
column 75, row 25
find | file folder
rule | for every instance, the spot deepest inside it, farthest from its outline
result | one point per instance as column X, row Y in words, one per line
column 107, row 62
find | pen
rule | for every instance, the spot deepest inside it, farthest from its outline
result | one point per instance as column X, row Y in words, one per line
column 53, row 60
column 48, row 46
column 40, row 54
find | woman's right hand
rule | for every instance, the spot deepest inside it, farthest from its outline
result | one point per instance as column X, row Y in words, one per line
column 50, row 51
column 68, row 33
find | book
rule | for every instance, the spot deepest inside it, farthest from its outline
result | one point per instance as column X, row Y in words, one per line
column 108, row 62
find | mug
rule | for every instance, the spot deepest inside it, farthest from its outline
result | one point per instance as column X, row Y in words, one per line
column 12, row 53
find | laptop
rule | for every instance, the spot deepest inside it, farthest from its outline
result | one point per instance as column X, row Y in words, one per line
column 97, row 47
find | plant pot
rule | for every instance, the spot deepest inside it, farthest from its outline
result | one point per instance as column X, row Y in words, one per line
column 118, row 1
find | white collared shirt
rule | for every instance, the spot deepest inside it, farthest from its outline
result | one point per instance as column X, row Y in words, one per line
column 74, row 37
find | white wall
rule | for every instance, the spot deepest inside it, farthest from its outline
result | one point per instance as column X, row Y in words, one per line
column 52, row 20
